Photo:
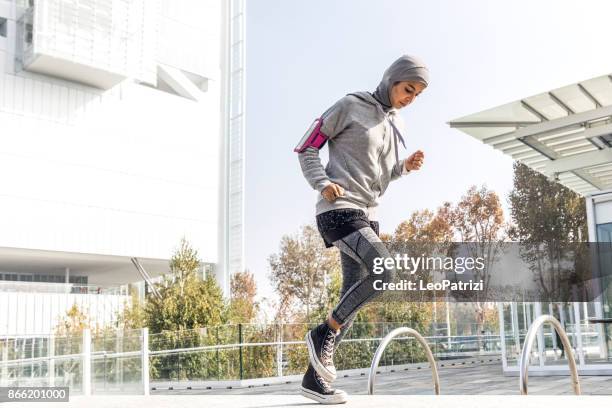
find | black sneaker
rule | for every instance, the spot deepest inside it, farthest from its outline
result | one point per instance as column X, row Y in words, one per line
column 317, row 389
column 320, row 342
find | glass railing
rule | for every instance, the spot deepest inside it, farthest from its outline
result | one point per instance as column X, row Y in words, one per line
column 44, row 287
column 221, row 353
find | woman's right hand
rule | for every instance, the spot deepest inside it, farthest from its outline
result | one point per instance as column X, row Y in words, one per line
column 332, row 191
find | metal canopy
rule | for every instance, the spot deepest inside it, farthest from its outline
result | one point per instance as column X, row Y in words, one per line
column 565, row 133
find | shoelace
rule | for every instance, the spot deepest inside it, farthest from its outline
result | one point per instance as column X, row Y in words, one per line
column 328, row 347
column 324, row 384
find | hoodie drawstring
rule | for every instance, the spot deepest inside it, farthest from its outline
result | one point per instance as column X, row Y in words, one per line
column 397, row 135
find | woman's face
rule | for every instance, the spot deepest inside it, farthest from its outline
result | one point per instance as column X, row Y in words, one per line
column 403, row 93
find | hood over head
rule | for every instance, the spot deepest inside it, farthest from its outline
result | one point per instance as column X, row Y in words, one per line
column 405, row 68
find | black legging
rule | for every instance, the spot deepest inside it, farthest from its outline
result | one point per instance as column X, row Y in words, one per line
column 357, row 253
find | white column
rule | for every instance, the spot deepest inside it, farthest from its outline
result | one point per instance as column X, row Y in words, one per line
column 51, row 366
column 145, row 360
column 598, row 302
column 67, row 270
column 86, row 362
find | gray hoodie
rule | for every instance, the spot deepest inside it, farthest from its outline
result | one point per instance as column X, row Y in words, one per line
column 363, row 148
column 363, row 153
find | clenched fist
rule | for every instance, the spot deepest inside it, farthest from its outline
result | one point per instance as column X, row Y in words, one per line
column 415, row 160
column 331, row 192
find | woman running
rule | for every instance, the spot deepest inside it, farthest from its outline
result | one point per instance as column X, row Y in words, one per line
column 363, row 131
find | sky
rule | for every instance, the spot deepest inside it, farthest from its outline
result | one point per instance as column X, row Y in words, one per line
column 302, row 56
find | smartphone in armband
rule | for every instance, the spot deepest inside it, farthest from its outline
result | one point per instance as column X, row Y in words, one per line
column 313, row 137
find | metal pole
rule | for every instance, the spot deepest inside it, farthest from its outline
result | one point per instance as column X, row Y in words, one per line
column 502, row 333
column 552, row 332
column 448, row 325
column 526, row 352
column 119, row 361
column 145, row 360
column 537, row 311
column 578, row 330
column 218, row 359
column 51, row 354
column 4, row 375
column 240, row 347
column 279, row 351
column 86, row 352
column 385, row 342
column 515, row 327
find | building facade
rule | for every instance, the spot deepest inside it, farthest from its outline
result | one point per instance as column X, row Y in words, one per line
column 122, row 128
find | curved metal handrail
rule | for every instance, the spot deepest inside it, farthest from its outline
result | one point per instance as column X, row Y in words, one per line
column 527, row 346
column 383, row 345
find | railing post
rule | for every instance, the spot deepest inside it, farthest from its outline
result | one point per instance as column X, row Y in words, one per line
column 279, row 351
column 145, row 360
column 578, row 331
column 537, row 311
column 51, row 366
column 4, row 375
column 240, row 347
column 502, row 332
column 86, row 352
column 119, row 361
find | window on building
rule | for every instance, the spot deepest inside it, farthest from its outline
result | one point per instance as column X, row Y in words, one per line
column 29, row 33
column 3, row 27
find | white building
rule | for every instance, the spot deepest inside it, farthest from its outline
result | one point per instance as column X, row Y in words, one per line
column 121, row 129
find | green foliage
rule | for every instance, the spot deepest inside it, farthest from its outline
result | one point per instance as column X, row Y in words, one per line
column 299, row 272
column 550, row 222
column 545, row 211
column 188, row 303
column 73, row 323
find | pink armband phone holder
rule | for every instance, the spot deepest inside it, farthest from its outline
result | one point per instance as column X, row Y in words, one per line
column 313, row 137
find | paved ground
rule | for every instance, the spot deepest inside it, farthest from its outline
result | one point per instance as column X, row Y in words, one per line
column 356, row 401
column 461, row 379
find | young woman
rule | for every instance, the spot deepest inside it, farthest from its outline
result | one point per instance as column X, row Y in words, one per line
column 363, row 131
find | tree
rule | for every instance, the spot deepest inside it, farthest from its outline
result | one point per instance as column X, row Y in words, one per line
column 184, row 263
column 73, row 323
column 243, row 308
column 301, row 269
column 479, row 221
column 543, row 210
column 426, row 227
column 425, row 233
column 550, row 222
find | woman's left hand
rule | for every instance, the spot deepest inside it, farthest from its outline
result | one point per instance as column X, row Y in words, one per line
column 415, row 160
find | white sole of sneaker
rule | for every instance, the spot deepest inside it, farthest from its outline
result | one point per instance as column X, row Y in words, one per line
column 316, row 363
column 339, row 398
